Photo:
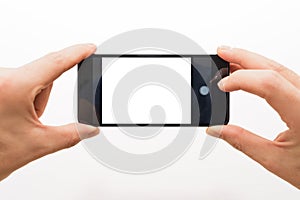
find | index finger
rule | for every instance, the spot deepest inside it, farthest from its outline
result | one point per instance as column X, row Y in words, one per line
column 268, row 84
column 249, row 60
column 48, row 68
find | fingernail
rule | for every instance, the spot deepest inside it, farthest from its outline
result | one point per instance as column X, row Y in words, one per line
column 224, row 48
column 86, row 131
column 221, row 83
column 214, row 131
column 91, row 45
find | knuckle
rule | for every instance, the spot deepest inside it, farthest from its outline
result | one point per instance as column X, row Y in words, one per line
column 237, row 145
column 235, row 137
column 49, row 143
column 234, row 78
column 276, row 66
column 269, row 80
column 41, row 145
column 236, row 75
column 71, row 140
column 238, row 139
column 57, row 58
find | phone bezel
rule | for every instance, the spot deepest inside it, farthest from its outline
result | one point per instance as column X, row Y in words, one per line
column 93, row 68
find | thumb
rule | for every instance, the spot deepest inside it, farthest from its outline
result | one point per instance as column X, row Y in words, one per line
column 254, row 146
column 66, row 136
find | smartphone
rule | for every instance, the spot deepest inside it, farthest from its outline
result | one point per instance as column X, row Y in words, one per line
column 152, row 90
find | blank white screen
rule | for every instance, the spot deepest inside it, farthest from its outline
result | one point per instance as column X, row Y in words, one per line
column 141, row 101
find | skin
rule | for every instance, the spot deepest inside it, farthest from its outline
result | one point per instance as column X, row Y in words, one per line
column 24, row 96
column 25, row 92
column 280, row 87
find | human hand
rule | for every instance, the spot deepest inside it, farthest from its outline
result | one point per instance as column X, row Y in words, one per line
column 24, row 94
column 280, row 87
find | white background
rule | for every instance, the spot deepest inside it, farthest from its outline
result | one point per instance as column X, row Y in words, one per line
column 30, row 29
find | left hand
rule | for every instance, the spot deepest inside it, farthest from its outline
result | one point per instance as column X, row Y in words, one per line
column 24, row 94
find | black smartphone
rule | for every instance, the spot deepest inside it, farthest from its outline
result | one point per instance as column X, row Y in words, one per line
column 152, row 90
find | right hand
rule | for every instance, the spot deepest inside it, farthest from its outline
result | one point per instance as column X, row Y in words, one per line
column 280, row 87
